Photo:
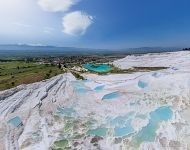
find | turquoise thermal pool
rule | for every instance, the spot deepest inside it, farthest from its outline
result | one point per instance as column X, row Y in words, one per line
column 98, row 132
column 142, row 84
column 120, row 132
column 80, row 87
column 148, row 133
column 100, row 68
column 16, row 121
column 99, row 88
column 111, row 96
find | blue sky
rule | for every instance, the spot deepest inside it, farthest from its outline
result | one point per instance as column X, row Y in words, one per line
column 95, row 23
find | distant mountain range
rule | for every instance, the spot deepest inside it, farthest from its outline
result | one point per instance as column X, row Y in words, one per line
column 41, row 48
column 46, row 51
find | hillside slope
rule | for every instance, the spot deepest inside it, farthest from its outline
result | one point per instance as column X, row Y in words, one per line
column 143, row 110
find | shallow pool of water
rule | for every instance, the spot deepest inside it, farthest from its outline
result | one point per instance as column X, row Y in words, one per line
column 120, row 132
column 69, row 112
column 99, row 88
column 98, row 132
column 82, row 90
column 121, row 125
column 16, row 121
column 142, row 84
column 80, row 87
column 148, row 133
column 100, row 68
column 111, row 96
column 118, row 121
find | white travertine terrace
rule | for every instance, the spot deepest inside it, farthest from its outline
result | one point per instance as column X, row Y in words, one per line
column 74, row 113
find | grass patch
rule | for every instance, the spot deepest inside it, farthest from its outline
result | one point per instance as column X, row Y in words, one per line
column 77, row 75
column 135, row 69
column 61, row 143
column 149, row 68
column 14, row 73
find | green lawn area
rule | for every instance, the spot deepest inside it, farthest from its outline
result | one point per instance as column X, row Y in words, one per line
column 14, row 73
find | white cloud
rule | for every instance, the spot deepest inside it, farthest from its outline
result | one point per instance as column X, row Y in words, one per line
column 76, row 23
column 56, row 5
column 19, row 24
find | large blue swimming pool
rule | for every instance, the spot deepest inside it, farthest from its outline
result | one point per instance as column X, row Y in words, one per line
column 100, row 68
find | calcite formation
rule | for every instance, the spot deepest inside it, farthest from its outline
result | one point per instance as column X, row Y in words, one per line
column 142, row 110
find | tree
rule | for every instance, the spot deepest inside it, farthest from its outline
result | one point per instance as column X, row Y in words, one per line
column 13, row 83
column 59, row 66
column 47, row 76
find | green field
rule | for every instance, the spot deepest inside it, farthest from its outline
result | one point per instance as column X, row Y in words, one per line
column 14, row 73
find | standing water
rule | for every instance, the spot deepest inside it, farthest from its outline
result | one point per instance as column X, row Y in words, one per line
column 100, row 68
column 148, row 133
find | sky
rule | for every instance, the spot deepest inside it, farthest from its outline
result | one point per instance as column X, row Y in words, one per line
column 110, row 24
